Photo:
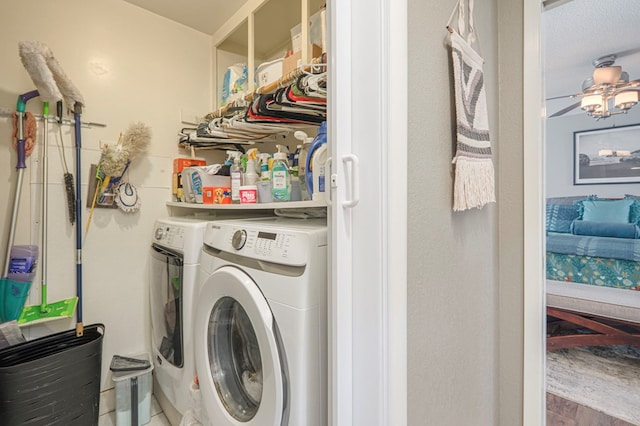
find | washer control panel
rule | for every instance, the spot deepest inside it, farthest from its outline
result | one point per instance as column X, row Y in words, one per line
column 278, row 246
column 169, row 236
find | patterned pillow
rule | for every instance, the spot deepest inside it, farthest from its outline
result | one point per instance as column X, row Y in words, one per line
column 560, row 217
column 634, row 213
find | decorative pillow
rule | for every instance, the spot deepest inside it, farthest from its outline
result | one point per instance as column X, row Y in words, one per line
column 605, row 210
column 560, row 217
column 605, row 229
column 634, row 213
column 570, row 199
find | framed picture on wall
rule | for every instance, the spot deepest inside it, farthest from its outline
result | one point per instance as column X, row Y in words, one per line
column 610, row 155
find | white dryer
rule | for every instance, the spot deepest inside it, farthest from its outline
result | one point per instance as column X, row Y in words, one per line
column 260, row 330
column 175, row 252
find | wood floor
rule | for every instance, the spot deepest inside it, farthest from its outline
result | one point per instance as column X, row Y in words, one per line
column 562, row 412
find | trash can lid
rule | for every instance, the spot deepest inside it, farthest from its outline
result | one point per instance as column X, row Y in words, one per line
column 122, row 363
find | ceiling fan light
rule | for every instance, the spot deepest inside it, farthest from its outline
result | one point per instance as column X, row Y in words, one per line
column 625, row 100
column 591, row 103
column 607, row 75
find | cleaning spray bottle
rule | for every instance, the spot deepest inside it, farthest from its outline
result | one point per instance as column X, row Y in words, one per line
column 280, row 176
column 264, row 166
column 302, row 162
column 316, row 159
column 236, row 176
column 251, row 174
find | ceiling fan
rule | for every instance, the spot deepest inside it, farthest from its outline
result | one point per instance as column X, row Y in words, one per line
column 606, row 93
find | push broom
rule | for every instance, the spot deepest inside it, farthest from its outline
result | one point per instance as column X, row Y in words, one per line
column 53, row 85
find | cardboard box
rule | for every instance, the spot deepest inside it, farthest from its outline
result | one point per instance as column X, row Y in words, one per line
column 290, row 63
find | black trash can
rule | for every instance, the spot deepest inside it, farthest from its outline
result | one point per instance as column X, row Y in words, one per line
column 53, row 380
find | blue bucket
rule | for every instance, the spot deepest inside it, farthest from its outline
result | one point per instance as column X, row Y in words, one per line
column 13, row 295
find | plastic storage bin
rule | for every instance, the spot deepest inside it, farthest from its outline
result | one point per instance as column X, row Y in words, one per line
column 53, row 380
column 133, row 390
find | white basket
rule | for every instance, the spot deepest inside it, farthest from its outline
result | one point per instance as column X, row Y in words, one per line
column 268, row 72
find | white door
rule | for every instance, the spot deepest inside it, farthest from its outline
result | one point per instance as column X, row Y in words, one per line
column 368, row 198
column 239, row 356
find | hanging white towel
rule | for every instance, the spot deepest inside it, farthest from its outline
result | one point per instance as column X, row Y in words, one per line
column 474, row 184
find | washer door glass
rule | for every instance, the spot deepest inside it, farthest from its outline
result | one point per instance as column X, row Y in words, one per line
column 166, row 303
column 234, row 358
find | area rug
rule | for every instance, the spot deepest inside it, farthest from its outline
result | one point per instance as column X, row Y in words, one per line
column 605, row 378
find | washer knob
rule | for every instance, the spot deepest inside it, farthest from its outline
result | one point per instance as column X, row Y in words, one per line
column 239, row 239
column 159, row 233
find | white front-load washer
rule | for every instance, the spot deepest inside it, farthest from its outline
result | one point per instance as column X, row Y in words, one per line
column 175, row 252
column 260, row 325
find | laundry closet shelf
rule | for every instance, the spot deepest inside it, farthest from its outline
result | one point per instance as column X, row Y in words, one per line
column 258, row 206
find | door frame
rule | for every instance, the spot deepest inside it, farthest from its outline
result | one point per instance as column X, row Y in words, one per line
column 533, row 167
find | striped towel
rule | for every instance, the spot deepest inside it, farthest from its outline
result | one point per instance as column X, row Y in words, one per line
column 474, row 184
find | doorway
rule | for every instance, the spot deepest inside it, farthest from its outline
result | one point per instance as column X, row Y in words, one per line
column 578, row 44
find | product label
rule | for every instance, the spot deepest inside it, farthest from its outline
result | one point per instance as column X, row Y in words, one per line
column 248, row 196
column 279, row 179
column 196, row 183
column 235, row 186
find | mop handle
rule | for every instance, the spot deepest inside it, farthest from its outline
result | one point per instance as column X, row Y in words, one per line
column 21, row 107
column 45, row 206
column 76, row 117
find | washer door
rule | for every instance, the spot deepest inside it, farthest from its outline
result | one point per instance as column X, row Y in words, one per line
column 240, row 363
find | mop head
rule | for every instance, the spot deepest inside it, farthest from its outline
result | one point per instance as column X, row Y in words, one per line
column 135, row 140
column 32, row 55
column 47, row 74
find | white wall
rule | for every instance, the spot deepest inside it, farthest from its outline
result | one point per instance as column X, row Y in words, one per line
column 452, row 257
column 130, row 65
column 559, row 154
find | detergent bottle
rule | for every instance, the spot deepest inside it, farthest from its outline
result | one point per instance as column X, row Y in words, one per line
column 236, row 176
column 280, row 176
column 302, row 162
column 316, row 159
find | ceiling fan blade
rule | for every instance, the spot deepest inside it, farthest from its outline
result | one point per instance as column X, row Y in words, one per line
column 550, row 4
column 627, row 52
column 565, row 110
column 575, row 95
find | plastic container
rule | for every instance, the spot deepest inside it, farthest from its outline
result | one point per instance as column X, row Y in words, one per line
column 268, row 72
column 52, row 380
column 248, row 194
column 133, row 393
column 13, row 295
column 264, row 191
column 14, row 288
column 194, row 179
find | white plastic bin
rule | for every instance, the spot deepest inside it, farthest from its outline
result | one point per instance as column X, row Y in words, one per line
column 133, row 395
